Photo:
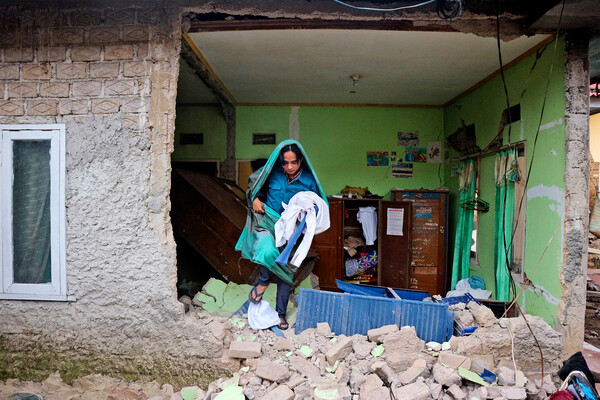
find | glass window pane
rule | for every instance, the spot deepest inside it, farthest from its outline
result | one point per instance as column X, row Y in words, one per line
column 31, row 211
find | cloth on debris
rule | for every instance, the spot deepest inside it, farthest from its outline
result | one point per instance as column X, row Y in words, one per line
column 367, row 216
column 262, row 315
column 463, row 287
column 576, row 363
column 358, row 266
column 351, row 243
column 562, row 395
column 257, row 241
column 476, row 282
column 283, row 290
column 300, row 205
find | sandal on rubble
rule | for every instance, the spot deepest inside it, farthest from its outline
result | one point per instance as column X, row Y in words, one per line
column 283, row 325
column 254, row 296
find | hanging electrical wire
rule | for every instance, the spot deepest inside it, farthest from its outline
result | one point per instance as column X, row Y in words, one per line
column 446, row 9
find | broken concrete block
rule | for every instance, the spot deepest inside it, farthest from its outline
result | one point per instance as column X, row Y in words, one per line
column 483, row 315
column 339, row 350
column 514, row 393
column 384, row 372
column 479, row 362
column 356, row 380
column 295, row 380
column 243, row 349
column 399, row 361
column 217, row 329
column 304, row 368
column 464, row 318
column 273, row 372
column 411, row 374
column 281, row 392
column 457, row 392
column 376, row 335
column 415, row 391
column 283, row 344
column 372, row 388
column 506, row 376
column 446, row 376
column 323, row 329
column 326, row 390
column 404, row 341
column 454, row 360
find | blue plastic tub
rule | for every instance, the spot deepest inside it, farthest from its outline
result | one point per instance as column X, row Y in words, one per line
column 349, row 314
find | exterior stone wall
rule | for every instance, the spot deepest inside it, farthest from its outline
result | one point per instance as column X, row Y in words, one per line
column 110, row 76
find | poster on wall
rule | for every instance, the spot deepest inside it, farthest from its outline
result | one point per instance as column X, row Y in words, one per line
column 402, row 170
column 395, row 220
column 378, row 158
column 408, row 138
column 415, row 154
column 434, row 152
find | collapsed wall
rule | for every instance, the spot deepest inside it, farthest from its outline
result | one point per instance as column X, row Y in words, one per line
column 109, row 75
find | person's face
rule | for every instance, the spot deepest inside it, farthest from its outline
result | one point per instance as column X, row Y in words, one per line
column 291, row 164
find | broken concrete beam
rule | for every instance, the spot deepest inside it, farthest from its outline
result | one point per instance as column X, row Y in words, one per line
column 340, row 350
column 454, row 360
column 281, row 392
column 506, row 376
column 514, row 393
column 415, row 391
column 273, row 372
column 243, row 349
column 376, row 335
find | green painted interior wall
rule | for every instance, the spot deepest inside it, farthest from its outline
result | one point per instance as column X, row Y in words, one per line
column 336, row 140
column 200, row 119
column 526, row 82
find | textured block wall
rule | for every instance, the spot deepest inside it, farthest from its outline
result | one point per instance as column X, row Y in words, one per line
column 110, row 75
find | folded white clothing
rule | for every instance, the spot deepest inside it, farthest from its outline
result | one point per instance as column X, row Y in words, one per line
column 302, row 204
column 262, row 315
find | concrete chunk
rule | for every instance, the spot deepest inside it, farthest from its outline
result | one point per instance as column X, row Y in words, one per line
column 383, row 371
column 506, row 376
column 415, row 391
column 244, row 349
column 514, row 393
column 376, row 335
column 340, row 350
column 454, row 360
column 411, row 374
column 273, row 372
column 446, row 376
column 323, row 329
column 457, row 392
column 483, row 315
column 281, row 392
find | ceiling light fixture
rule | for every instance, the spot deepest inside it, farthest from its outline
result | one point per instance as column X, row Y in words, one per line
column 355, row 79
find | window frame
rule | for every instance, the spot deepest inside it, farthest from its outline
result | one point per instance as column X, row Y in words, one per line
column 56, row 290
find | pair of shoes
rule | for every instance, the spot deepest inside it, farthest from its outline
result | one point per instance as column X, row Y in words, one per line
column 254, row 296
column 283, row 325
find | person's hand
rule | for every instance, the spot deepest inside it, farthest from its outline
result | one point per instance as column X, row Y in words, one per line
column 257, row 206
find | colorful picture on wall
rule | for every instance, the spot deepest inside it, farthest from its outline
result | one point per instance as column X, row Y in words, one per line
column 434, row 152
column 402, row 170
column 415, row 154
column 408, row 138
column 378, row 158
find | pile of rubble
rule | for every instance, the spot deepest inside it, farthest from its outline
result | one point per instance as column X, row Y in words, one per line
column 388, row 363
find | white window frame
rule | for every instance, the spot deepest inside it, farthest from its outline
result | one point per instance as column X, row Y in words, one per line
column 56, row 290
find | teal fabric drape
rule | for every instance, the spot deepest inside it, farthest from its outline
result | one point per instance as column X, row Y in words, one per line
column 504, row 208
column 257, row 241
column 464, row 227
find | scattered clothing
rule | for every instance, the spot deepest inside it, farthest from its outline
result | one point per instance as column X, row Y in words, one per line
column 367, row 216
column 351, row 243
column 463, row 286
column 562, row 395
column 358, row 266
column 476, row 282
column 262, row 315
column 300, row 205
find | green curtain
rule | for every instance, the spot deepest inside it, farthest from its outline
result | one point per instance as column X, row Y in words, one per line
column 504, row 208
column 464, row 227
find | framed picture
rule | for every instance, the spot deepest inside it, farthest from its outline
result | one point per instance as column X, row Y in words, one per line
column 263, row 138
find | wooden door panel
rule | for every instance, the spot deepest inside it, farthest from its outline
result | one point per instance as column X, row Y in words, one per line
column 394, row 250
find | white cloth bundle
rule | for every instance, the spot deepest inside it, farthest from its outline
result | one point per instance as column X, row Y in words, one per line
column 303, row 203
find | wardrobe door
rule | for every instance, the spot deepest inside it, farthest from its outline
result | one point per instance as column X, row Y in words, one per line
column 394, row 242
column 329, row 244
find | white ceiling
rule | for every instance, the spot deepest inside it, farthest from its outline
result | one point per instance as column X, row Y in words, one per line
column 314, row 66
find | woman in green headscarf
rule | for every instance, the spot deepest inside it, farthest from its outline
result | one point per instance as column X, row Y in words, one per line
column 287, row 172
